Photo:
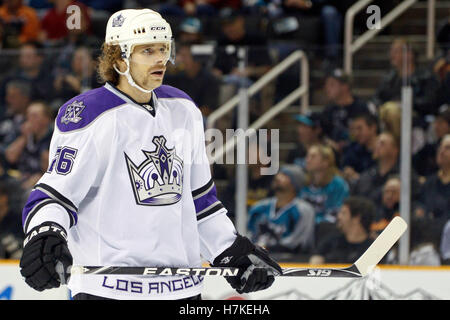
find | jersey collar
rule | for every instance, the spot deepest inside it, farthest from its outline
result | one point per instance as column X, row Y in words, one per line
column 150, row 106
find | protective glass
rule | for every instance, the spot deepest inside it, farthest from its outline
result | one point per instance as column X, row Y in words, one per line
column 154, row 52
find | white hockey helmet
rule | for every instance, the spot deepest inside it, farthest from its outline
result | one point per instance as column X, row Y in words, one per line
column 130, row 27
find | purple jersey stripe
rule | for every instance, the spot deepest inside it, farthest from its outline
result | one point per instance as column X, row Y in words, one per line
column 206, row 200
column 80, row 111
column 37, row 197
column 166, row 91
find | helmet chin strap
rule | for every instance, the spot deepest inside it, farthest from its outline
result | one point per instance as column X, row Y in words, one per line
column 129, row 77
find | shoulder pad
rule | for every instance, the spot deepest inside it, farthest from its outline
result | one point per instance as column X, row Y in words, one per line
column 166, row 91
column 83, row 109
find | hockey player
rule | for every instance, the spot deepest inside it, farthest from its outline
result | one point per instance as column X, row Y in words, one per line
column 129, row 183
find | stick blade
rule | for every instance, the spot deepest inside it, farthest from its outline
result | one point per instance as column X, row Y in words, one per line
column 381, row 245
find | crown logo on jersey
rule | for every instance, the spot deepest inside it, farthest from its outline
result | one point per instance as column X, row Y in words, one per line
column 158, row 180
column 118, row 21
column 72, row 113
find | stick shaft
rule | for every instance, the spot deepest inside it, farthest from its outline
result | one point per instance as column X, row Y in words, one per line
column 350, row 272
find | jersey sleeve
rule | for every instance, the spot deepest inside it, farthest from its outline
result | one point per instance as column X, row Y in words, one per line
column 74, row 167
column 203, row 189
column 216, row 230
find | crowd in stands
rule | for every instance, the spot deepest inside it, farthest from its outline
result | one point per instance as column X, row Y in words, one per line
column 335, row 191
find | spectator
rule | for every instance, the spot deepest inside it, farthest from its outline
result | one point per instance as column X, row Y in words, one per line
column 196, row 80
column 389, row 207
column 110, row 6
column 284, row 223
column 423, row 82
column 82, row 76
column 443, row 36
column 54, row 23
column 390, row 116
column 259, row 184
column 442, row 65
column 191, row 31
column 442, row 71
column 444, row 249
column 202, row 7
column 424, row 161
column 343, row 105
column 235, row 34
column 197, row 7
column 435, row 195
column 40, row 4
column 358, row 155
column 31, row 68
column 424, row 243
column 353, row 221
column 309, row 132
column 325, row 189
column 29, row 153
column 330, row 18
column 18, row 97
column 386, row 156
column 11, row 234
column 68, row 45
column 20, row 23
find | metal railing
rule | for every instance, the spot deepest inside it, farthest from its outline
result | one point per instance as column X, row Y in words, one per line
column 351, row 47
column 300, row 93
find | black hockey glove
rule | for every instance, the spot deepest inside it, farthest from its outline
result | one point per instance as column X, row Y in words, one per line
column 258, row 270
column 45, row 257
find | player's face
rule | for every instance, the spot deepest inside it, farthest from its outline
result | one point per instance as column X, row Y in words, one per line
column 148, row 64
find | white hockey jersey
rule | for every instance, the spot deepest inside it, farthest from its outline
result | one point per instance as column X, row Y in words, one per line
column 132, row 185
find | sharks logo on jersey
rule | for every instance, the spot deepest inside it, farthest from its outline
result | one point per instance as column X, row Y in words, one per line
column 72, row 113
column 158, row 180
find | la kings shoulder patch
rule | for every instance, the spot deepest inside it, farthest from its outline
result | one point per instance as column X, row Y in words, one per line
column 73, row 111
column 85, row 108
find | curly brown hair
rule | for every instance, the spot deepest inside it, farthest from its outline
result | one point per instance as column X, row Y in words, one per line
column 109, row 56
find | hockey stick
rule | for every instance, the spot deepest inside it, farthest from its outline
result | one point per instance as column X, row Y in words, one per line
column 363, row 266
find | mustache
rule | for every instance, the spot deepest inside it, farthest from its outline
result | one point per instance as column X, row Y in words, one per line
column 157, row 68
